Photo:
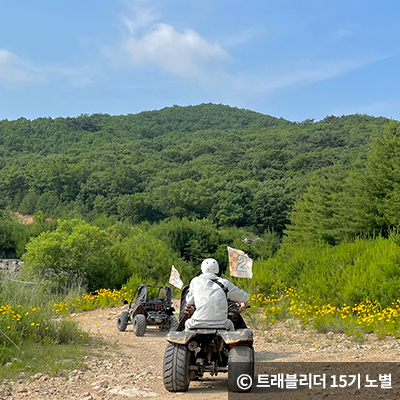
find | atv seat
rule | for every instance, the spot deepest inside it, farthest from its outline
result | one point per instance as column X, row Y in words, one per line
column 206, row 326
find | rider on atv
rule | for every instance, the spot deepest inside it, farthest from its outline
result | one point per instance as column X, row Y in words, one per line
column 209, row 295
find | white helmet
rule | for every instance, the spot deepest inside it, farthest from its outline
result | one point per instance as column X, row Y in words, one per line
column 209, row 265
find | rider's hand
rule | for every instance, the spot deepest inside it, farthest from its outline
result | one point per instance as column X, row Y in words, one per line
column 189, row 309
column 244, row 305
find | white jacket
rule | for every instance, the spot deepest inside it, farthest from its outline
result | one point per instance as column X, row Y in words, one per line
column 210, row 299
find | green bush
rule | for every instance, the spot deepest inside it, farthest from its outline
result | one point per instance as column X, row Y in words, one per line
column 348, row 273
column 74, row 251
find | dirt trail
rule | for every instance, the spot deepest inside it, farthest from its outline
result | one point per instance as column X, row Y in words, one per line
column 130, row 367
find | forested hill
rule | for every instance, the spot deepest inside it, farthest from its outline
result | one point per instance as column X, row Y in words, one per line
column 233, row 166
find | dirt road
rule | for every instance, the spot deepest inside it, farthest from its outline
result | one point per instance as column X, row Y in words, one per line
column 130, row 367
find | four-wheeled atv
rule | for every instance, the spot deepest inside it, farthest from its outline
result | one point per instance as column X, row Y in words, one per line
column 213, row 350
column 146, row 309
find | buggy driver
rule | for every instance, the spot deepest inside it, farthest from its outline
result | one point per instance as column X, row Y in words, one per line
column 209, row 294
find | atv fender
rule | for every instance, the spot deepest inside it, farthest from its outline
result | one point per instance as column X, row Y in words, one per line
column 181, row 337
column 238, row 336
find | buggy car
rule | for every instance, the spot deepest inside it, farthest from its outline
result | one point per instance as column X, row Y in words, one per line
column 150, row 305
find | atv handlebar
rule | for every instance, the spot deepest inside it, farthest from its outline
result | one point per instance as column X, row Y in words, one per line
column 235, row 307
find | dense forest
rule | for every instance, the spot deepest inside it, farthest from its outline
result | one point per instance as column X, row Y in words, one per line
column 178, row 184
column 232, row 166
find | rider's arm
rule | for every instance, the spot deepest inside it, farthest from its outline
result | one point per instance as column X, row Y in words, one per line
column 189, row 309
column 190, row 294
column 235, row 293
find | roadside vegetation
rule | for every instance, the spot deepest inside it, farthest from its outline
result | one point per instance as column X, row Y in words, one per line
column 33, row 338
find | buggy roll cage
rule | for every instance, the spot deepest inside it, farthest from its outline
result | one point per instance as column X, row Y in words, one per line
column 142, row 293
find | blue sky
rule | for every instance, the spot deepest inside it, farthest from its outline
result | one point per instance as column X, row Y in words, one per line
column 294, row 59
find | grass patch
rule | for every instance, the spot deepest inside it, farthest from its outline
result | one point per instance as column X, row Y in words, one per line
column 336, row 324
column 325, row 324
column 49, row 359
column 34, row 337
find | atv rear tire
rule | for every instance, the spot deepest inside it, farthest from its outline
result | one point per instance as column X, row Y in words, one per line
column 240, row 361
column 122, row 322
column 139, row 325
column 176, row 368
column 173, row 323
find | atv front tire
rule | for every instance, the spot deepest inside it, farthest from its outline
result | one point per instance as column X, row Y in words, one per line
column 240, row 361
column 176, row 368
column 139, row 325
column 122, row 322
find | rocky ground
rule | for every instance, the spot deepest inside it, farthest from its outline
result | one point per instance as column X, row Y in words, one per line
column 130, row 367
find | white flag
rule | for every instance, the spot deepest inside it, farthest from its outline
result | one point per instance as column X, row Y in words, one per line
column 240, row 264
column 175, row 278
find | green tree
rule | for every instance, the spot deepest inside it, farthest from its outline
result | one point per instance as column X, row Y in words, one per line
column 149, row 258
column 328, row 209
column 382, row 179
column 137, row 208
column 74, row 251
column 29, row 203
column 12, row 235
column 48, row 203
column 193, row 240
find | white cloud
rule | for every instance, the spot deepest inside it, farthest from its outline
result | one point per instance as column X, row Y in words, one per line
column 143, row 17
column 149, row 42
column 14, row 71
column 311, row 72
column 186, row 54
column 241, row 88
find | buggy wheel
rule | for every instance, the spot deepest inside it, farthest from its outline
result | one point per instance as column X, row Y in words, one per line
column 240, row 361
column 176, row 368
column 122, row 322
column 139, row 325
